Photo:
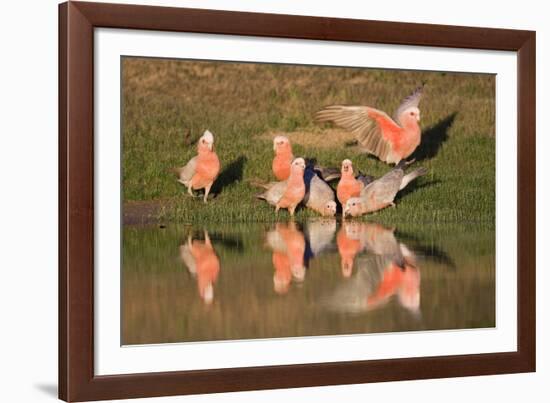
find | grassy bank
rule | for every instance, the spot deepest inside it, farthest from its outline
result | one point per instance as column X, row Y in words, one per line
column 167, row 104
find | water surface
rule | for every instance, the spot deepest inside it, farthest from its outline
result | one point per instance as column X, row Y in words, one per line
column 322, row 277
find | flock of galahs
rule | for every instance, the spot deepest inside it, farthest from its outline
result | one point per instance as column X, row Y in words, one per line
column 302, row 182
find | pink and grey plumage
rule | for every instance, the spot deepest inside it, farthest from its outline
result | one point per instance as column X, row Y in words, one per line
column 381, row 192
column 202, row 170
column 391, row 140
column 289, row 193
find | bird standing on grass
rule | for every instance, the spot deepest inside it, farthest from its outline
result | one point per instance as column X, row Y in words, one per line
column 319, row 195
column 349, row 186
column 283, row 158
column 203, row 169
column 381, row 192
column 391, row 140
column 289, row 193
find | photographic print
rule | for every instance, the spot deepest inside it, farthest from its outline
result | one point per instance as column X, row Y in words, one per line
column 269, row 200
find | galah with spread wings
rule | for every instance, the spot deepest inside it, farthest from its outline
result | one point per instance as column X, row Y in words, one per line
column 289, row 193
column 381, row 192
column 203, row 169
column 391, row 140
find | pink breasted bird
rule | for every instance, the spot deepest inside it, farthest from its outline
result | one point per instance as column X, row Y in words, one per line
column 391, row 140
column 283, row 158
column 348, row 186
column 203, row 169
column 289, row 193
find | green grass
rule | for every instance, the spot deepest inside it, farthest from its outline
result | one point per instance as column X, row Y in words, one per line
column 244, row 105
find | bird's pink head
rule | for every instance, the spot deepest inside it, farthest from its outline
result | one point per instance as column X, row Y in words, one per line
column 206, row 141
column 411, row 114
column 347, row 168
column 281, row 144
column 298, row 166
column 330, row 209
column 353, row 207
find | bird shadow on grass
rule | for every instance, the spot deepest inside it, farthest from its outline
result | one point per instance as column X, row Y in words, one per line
column 433, row 138
column 230, row 174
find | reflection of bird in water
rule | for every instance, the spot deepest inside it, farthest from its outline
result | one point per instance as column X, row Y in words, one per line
column 319, row 237
column 201, row 261
column 389, row 269
column 350, row 241
column 288, row 245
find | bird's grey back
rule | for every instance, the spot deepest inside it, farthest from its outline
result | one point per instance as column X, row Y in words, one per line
column 275, row 192
column 384, row 189
column 187, row 172
column 319, row 193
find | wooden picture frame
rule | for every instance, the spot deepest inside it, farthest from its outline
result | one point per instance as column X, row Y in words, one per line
column 77, row 21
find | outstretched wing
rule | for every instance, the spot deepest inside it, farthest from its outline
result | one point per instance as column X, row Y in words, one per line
column 411, row 101
column 371, row 127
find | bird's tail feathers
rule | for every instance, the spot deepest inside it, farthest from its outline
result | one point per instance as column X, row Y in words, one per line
column 403, row 164
column 258, row 183
column 175, row 170
column 412, row 176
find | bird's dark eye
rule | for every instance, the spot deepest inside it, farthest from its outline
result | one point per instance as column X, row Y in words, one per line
column 412, row 113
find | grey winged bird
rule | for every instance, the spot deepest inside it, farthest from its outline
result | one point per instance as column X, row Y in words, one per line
column 381, row 192
column 319, row 195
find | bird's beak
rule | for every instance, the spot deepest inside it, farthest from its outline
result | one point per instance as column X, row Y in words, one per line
column 211, row 146
column 346, row 211
column 418, row 118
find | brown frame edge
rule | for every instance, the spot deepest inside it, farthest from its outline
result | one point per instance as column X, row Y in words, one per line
column 77, row 381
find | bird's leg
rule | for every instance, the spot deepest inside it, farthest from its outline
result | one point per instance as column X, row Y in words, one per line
column 291, row 210
column 277, row 210
column 206, row 191
column 190, row 190
column 392, row 204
